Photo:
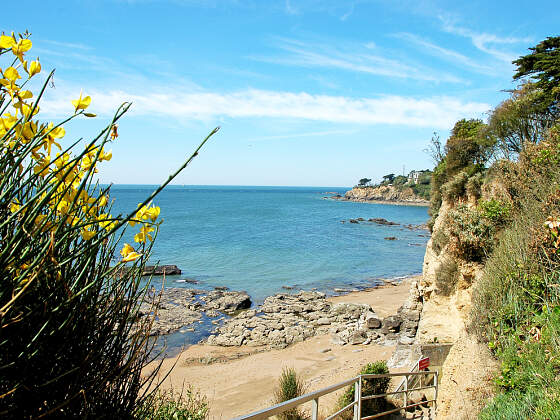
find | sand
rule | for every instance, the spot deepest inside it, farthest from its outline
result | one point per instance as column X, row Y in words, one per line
column 239, row 380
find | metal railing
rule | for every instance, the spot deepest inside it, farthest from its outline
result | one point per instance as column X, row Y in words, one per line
column 358, row 397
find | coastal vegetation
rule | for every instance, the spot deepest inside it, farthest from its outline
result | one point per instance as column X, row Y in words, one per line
column 73, row 342
column 495, row 204
column 290, row 385
column 369, row 387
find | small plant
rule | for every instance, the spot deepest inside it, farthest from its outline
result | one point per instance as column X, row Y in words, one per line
column 290, row 386
column 498, row 212
column 369, row 387
column 446, row 276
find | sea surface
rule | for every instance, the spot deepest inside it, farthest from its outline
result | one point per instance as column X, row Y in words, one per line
column 259, row 239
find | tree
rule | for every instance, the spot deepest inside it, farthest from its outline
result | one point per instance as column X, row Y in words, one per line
column 520, row 119
column 435, row 149
column 363, row 182
column 543, row 66
column 466, row 146
column 389, row 178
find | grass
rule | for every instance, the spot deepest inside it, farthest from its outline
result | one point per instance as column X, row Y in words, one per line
column 290, row 386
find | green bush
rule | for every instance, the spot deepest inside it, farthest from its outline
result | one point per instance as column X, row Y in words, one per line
column 369, row 387
column 439, row 240
column 290, row 386
column 456, row 187
column 474, row 185
column 498, row 212
column 471, row 234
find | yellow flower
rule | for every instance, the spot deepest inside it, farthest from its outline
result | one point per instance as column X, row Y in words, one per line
column 144, row 234
column 6, row 41
column 87, row 234
column 81, row 103
column 34, row 68
column 129, row 253
column 14, row 207
column 153, row 213
column 114, row 131
column 22, row 46
column 11, row 74
column 133, row 256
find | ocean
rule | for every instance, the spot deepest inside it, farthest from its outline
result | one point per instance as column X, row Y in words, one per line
column 259, row 239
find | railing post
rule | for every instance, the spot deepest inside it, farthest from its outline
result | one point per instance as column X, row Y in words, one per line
column 358, row 399
column 436, row 392
column 405, row 392
column 315, row 409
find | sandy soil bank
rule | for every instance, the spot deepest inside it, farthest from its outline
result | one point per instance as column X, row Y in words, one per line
column 239, row 380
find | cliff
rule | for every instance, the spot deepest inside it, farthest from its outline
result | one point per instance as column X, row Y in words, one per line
column 446, row 288
column 385, row 194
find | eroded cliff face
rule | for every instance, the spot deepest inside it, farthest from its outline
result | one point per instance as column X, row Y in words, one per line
column 384, row 193
column 447, row 287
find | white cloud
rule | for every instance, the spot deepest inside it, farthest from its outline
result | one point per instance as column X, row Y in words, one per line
column 329, row 56
column 446, row 54
column 436, row 112
column 483, row 41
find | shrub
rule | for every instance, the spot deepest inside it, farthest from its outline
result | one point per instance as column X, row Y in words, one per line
column 472, row 235
column 474, row 185
column 187, row 405
column 446, row 276
column 290, row 386
column 439, row 240
column 455, row 187
column 369, row 387
column 498, row 212
column 72, row 341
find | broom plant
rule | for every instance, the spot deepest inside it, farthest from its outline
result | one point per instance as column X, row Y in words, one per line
column 73, row 342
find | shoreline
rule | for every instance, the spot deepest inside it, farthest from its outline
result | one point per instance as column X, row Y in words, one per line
column 390, row 202
column 240, row 379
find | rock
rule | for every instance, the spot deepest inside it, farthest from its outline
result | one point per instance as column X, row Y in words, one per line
column 381, row 221
column 391, row 324
column 338, row 340
column 212, row 313
column 328, row 359
column 325, row 350
column 160, row 270
column 361, row 219
column 222, row 288
column 372, row 321
column 390, row 238
column 413, row 315
column 323, row 321
column 354, row 221
column 227, row 301
column 403, row 339
column 287, row 287
column 358, row 337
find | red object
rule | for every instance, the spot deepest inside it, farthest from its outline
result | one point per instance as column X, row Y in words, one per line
column 424, row 363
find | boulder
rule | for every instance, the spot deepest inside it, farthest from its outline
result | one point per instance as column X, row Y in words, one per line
column 160, row 270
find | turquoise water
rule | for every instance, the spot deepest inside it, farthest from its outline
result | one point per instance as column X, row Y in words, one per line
column 259, row 239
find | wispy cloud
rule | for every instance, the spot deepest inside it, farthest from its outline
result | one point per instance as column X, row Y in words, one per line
column 485, row 42
column 309, row 134
column 360, row 60
column 435, row 112
column 446, row 54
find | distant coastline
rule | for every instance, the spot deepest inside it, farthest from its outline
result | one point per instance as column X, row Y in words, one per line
column 382, row 195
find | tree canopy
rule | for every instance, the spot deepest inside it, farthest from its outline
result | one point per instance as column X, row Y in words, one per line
column 543, row 66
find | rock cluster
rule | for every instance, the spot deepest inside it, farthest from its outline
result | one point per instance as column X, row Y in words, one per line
column 284, row 319
column 176, row 307
column 160, row 270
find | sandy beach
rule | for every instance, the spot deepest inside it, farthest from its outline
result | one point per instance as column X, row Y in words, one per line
column 239, row 380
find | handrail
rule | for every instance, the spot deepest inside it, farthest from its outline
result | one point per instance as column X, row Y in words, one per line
column 415, row 368
column 357, row 403
column 294, row 402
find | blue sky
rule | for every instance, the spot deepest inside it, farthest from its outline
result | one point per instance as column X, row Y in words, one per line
column 307, row 92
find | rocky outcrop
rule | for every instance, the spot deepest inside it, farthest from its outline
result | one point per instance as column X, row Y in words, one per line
column 160, row 270
column 175, row 308
column 284, row 319
column 386, row 193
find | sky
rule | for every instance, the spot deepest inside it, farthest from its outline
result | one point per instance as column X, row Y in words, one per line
column 306, row 92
